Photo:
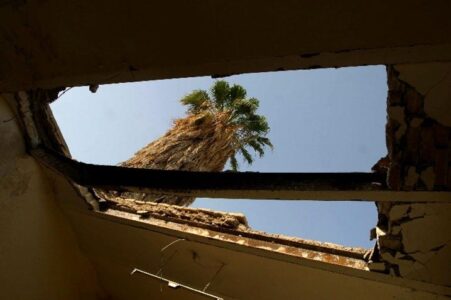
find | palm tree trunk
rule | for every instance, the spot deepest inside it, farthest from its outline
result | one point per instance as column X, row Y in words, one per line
column 194, row 143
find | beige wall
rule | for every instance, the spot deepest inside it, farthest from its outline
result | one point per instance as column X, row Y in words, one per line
column 39, row 256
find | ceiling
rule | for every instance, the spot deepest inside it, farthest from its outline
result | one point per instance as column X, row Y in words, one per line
column 51, row 43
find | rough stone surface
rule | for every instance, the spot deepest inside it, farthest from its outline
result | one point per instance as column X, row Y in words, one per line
column 417, row 143
column 441, row 168
column 398, row 212
column 428, row 178
column 415, row 122
column 411, row 178
column 390, row 242
column 412, row 238
column 212, row 218
column 396, row 113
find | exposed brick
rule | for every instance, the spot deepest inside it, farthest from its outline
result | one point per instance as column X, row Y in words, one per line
column 384, row 207
column 414, row 101
column 411, row 179
column 392, row 80
column 377, row 267
column 427, row 145
column 397, row 114
column 394, row 177
column 399, row 134
column 449, row 153
column 441, row 134
column 449, row 178
column 390, row 242
column 428, row 178
column 413, row 137
column 415, row 122
column 390, row 138
column 382, row 165
column 441, row 168
column 394, row 97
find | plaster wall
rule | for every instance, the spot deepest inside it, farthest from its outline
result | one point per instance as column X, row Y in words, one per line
column 39, row 255
column 117, row 246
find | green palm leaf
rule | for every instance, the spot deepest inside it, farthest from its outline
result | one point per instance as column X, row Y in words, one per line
column 195, row 100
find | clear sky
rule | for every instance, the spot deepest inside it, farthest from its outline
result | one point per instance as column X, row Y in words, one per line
column 321, row 121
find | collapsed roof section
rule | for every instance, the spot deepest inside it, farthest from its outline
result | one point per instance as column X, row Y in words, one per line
column 44, row 132
column 99, row 43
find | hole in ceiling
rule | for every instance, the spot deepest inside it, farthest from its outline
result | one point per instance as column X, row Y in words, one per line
column 326, row 120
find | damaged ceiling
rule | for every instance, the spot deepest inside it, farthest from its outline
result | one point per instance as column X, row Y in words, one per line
column 52, row 43
column 49, row 225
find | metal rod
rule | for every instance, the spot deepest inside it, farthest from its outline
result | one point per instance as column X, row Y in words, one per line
column 174, row 284
column 234, row 185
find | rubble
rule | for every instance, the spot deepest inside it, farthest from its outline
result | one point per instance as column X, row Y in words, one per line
column 181, row 214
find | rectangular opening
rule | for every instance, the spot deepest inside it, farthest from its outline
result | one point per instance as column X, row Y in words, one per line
column 328, row 120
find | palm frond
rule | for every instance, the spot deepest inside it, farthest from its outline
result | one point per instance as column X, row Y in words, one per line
column 250, row 128
column 264, row 141
column 221, row 93
column 255, row 123
column 195, row 100
column 234, row 163
column 246, row 155
column 257, row 147
column 237, row 92
column 245, row 107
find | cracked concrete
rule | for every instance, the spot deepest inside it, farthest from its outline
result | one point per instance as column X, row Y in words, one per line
column 413, row 238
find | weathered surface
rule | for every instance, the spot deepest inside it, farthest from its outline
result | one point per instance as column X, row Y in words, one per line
column 178, row 214
column 233, row 227
column 413, row 238
column 38, row 50
column 418, row 144
column 40, row 256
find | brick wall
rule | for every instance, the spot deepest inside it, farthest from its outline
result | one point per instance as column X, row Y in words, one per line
column 412, row 238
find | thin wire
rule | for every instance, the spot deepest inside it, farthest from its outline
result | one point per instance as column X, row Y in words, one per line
column 214, row 277
column 170, row 244
column 160, row 271
column 175, row 284
column 162, row 265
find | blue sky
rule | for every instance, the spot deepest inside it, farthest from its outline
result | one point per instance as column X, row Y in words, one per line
column 321, row 121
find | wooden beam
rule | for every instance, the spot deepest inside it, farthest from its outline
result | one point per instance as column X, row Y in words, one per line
column 234, row 185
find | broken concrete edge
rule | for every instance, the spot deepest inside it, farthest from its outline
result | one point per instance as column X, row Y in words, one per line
column 251, row 239
column 306, row 258
column 36, row 119
column 228, row 223
column 298, row 61
column 411, row 235
column 418, row 145
column 235, row 224
column 196, row 215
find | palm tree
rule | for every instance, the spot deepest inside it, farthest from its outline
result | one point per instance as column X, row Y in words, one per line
column 219, row 126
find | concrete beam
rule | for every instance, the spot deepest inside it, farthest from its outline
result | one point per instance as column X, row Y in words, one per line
column 231, row 185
